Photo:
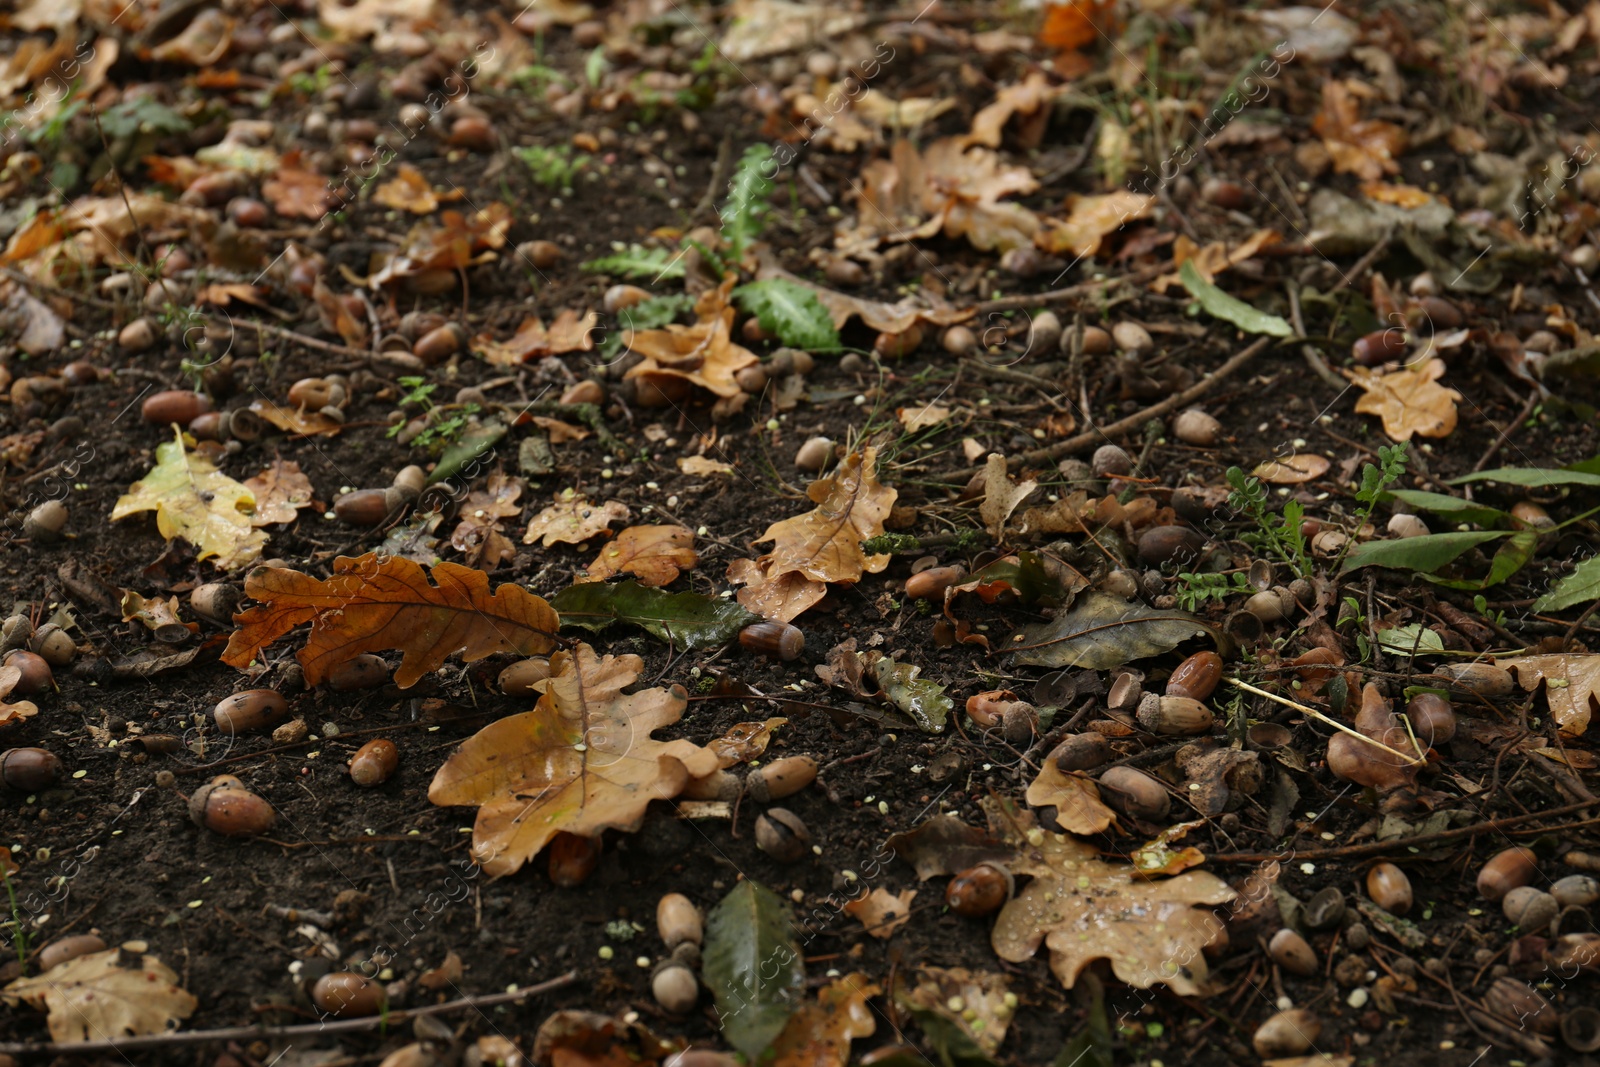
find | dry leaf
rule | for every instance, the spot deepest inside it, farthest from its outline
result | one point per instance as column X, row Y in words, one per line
column 703, row 354
column 779, row 597
column 819, row 1035
column 1571, row 685
column 824, row 544
column 338, row 314
column 1091, row 220
column 882, row 110
column 882, row 912
column 292, row 420
column 1075, row 797
column 1213, row 259
column 654, row 554
column 457, row 242
column 885, row 318
column 758, row 28
column 744, row 741
column 1410, row 400
column 155, row 614
column 201, row 44
column 1070, row 25
column 581, row 762
column 1364, row 147
column 1293, row 469
column 922, row 417
column 702, row 465
column 372, row 603
column 1033, row 97
column 533, row 340
column 354, row 19
column 573, row 520
column 195, row 501
column 224, row 293
column 479, row 537
column 410, row 191
column 280, row 491
column 1000, row 495
column 92, row 999
column 1083, row 908
column 1406, row 196
column 295, row 192
column 560, row 432
column 10, row 714
column 948, row 188
column 984, row 1014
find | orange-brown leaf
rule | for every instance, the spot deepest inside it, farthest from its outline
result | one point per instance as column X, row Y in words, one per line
column 292, row 420
column 372, row 603
column 882, row 912
column 1091, row 220
column 1410, row 400
column 780, row 597
column 824, row 544
column 1364, row 147
column 1075, row 24
column 533, row 340
column 573, row 520
column 297, row 192
column 479, row 537
column 819, row 1035
column 280, row 491
column 654, row 554
column 1075, row 797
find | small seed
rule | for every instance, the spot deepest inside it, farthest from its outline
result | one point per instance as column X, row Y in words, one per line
column 45, row 522
column 675, row 988
column 252, row 709
column 1576, row 890
column 1507, row 870
column 845, row 273
column 1110, row 461
column 137, row 335
column 978, row 890
column 374, row 762
column 1291, row 952
column 1271, row 605
column 316, row 393
column 751, row 379
column 1389, row 888
column 29, row 770
column 347, row 995
column 1044, row 335
column 365, row 671
column 410, row 481
column 249, row 212
column 573, row 859
column 778, row 639
column 1526, row 515
column 1288, row 1033
column 781, row 778
column 679, row 921
column 519, row 679
column 781, row 834
column 1478, row 679
column 1195, row 427
column 174, row 406
column 813, row 455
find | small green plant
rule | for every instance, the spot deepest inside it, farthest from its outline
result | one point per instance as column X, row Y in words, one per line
column 1375, row 481
column 1480, row 604
column 1196, row 589
column 1277, row 534
column 744, row 213
column 553, row 167
column 443, row 429
column 20, row 940
column 1351, row 615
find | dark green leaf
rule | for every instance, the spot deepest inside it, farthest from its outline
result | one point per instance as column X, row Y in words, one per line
column 1426, row 554
column 1228, row 308
column 1455, row 508
column 752, row 966
column 1529, row 477
column 791, row 312
column 1103, row 631
column 1511, row 558
column 1579, row 587
column 687, row 620
column 922, row 699
column 472, row 444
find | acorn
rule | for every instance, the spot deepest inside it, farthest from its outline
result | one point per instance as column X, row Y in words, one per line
column 771, row 638
column 587, row 391
column 1519, row 1002
column 1166, row 544
column 438, row 345
column 365, row 671
column 29, row 770
column 542, row 254
column 1389, row 888
column 573, row 858
column 1378, row 347
column 224, row 806
column 1403, row 526
column 317, row 393
column 1432, row 719
column 44, row 523
column 1135, row 793
column 367, row 507
column 65, row 949
column 1196, row 677
column 409, row 482
column 1576, row 890
column 1132, row 337
column 35, row 673
column 678, row 921
column 474, row 133
column 519, row 679
column 1580, row 1029
column 1530, row 908
column 1081, row 752
column 181, row 406
column 249, row 212
column 814, row 455
column 1325, row 910
column 958, row 340
column 1195, row 427
column 1097, row 341
column 1017, row 720
column 1477, row 679
column 1526, row 515
column 1291, row 952
column 1110, row 461
column 895, row 345
column 674, row 986
column 1358, row 761
column 1288, row 1033
column 718, row 785
column 1271, row 605
column 781, row 778
column 782, row 835
column 250, row 709
column 979, row 890
column 1174, row 716
column 1506, row 870
column 137, row 335
column 374, row 762
column 347, row 995
column 1044, row 334
column 932, row 583
column 216, row 601
column 52, row 644
column 1225, row 194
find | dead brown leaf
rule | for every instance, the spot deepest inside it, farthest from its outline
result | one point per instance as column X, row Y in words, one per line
column 1571, row 685
column 410, row 190
column 819, row 1035
column 702, row 465
column 533, row 340
column 1410, row 401
column 1091, row 220
column 1293, row 469
column 1001, row 495
column 296, row 192
column 656, row 555
column 922, row 416
column 983, row 1015
column 882, row 912
column 1075, row 797
column 950, row 188
column 1366, row 148
column 292, row 420
column 92, row 998
column 280, row 491
column 703, row 354
column 1030, row 98
column 780, row 597
column 1213, row 259
column 744, row 741
column 573, row 520
column 479, row 537
column 824, row 544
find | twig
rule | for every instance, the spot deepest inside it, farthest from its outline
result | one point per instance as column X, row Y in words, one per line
column 1071, row 292
column 247, row 1033
column 1313, row 358
column 1100, row 434
column 1572, row 631
column 1335, row 723
column 1505, row 435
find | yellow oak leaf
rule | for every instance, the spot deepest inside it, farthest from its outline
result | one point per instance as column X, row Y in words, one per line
column 195, row 501
column 92, row 999
column 573, row 520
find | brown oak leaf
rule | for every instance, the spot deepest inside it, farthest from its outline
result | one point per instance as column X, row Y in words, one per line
column 1571, row 685
column 280, row 491
column 882, row 912
column 1075, row 797
column 819, row 1034
column 479, row 536
column 780, row 597
column 824, row 544
column 92, row 999
column 534, row 340
column 656, row 555
column 1410, row 400
column 573, row 520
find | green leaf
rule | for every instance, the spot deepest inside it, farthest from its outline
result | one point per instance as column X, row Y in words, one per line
column 1452, row 507
column 1230, row 309
column 1103, row 631
column 1091, row 1046
column 473, row 444
column 1410, row 640
column 637, row 261
column 1511, row 558
column 752, row 966
column 791, row 312
column 687, row 620
column 654, row 313
column 744, row 213
column 1529, row 477
column 1426, row 554
column 1579, row 587
column 921, row 698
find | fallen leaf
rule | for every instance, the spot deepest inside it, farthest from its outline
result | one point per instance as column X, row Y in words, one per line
column 224, row 293
column 758, row 28
column 573, row 520
column 295, row 192
column 568, row 333
column 560, row 432
column 703, row 354
column 744, row 741
column 1070, row 25
column 196, row 502
column 1293, row 469
column 1001, row 495
column 201, row 44
column 372, row 603
column 824, row 544
column 155, row 614
column 922, row 417
column 280, row 491
column 1406, row 196
column 1213, row 259
column 702, row 465
column 444, row 976
column 1032, row 97
column 983, row 1014
column 293, row 420
column 1229, row 308
column 1571, row 685
column 479, row 537
column 355, row 19
column 872, row 674
column 885, row 318
column 753, row 966
column 945, row 845
column 13, row 713
column 781, row 597
column 415, row 539
column 882, row 912
column 1083, row 908
column 656, row 555
column 1157, row 856
column 1103, row 631
column 92, row 999
column 1075, row 797
column 344, row 315
column 37, row 327
column 948, row 188
column 454, row 243
column 686, row 620
column 909, row 113
column 1091, row 220
column 819, row 1034
column 581, row 762
column 1410, row 401
column 1366, row 148
column 409, row 190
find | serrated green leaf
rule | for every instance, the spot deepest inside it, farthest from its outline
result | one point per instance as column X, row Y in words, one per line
column 654, row 313
column 1453, row 507
column 1579, row 587
column 744, row 213
column 752, row 966
column 637, row 261
column 921, row 698
column 1103, row 631
column 1425, row 554
column 1529, row 477
column 687, row 620
column 1228, row 308
column 791, row 312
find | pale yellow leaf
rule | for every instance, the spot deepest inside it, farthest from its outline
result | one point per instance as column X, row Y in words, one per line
column 198, row 503
column 92, row 999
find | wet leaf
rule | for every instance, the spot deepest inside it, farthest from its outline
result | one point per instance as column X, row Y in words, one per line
column 415, row 539
column 824, row 544
column 17, row 711
column 744, row 741
column 983, row 1014
column 480, row 537
column 573, row 520
column 280, row 492
column 686, row 620
column 656, row 555
column 1102, row 631
column 1221, row 305
column 945, row 845
column 780, row 597
column 581, row 762
column 372, row 603
column 1292, row 470
column 819, row 1034
column 92, row 999
column 1157, row 856
column 1091, row 220
column 198, row 503
column 154, row 614
column 882, row 912
column 1531, row 477
column 921, row 698
column 1426, row 553
column 753, row 966
column 1579, row 587
column 296, row 421
column 1410, row 400
column 1075, row 797
column 1571, row 685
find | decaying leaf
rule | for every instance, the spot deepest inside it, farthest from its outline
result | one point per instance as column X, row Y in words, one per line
column 1292, row 470
column 824, row 544
column 409, row 190
column 885, row 318
column 1571, row 685
column 686, row 620
column 1001, row 495
column 753, row 967
column 882, row 912
column 1030, row 98
column 297, row 192
column 872, row 674
column 760, row 28
column 703, row 354
column 280, row 491
column 945, row 845
column 293, row 420
column 533, row 340
column 573, row 520
column 155, row 614
column 92, row 999
column 656, row 555
column 1103, row 631
column 922, row 416
column 13, row 713
column 195, row 501
column 1366, row 148
column 1091, row 220
column 1410, row 400
column 1075, row 797
column 701, row 465
column 581, row 762
column 479, row 536
column 947, row 188
column 819, row 1034
column 983, row 1014
column 780, row 597
column 744, row 741
column 372, row 603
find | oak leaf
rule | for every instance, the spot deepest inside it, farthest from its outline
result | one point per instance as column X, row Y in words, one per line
column 155, row 614
column 581, row 762
column 371, row 603
column 1032, row 97
column 295, row 420
column 1091, row 220
column 819, row 1034
column 744, row 741
column 92, row 999
column 824, row 544
column 280, row 491
column 703, row 354
column 535, row 340
column 983, row 1014
column 1075, row 797
column 10, row 675
column 409, row 190
column 779, row 597
column 948, row 188
column 478, row 537
column 656, row 555
column 1292, row 469
column 1364, row 147
column 885, row 318
column 195, row 501
column 1410, row 400
column 1571, row 685
column 702, row 465
column 882, row 912
column 297, row 192
column 1212, row 259
column 573, row 520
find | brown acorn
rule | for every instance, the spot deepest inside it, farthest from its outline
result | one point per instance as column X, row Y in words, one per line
column 770, row 638
column 979, row 890
column 317, row 393
column 1389, row 888
column 519, row 679
column 1477, row 679
column 181, row 406
column 1081, row 752
column 1432, row 719
column 679, row 921
column 52, row 644
column 250, row 709
column 35, row 669
column 29, row 770
column 1174, row 716
column 932, row 583
column 347, row 995
column 225, row 806
column 781, row 834
column 1379, row 346
column 1017, row 720
column 44, row 523
column 1516, row 1000
column 1135, row 793
column 781, row 778
column 65, row 949
column 1505, row 871
column 365, row 671
column 1291, row 952
column 1165, row 544
column 895, row 345
column 374, row 762
column 1196, row 677
column 587, row 391
column 436, row 346
column 572, row 859
column 366, row 507
column 216, row 601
